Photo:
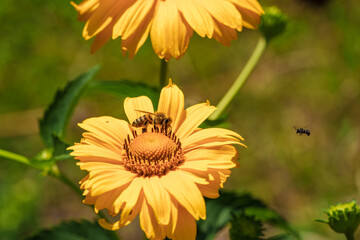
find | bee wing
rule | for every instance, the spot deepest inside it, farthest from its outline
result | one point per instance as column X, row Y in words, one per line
column 145, row 112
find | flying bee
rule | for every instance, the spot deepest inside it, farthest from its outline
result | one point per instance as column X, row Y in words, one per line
column 302, row 131
column 156, row 118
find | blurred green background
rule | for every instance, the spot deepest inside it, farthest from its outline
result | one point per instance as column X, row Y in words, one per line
column 308, row 77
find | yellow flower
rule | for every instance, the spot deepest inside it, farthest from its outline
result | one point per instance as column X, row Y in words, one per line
column 170, row 23
column 161, row 173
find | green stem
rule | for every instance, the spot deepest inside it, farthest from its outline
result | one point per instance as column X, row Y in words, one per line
column 15, row 157
column 350, row 236
column 243, row 76
column 163, row 73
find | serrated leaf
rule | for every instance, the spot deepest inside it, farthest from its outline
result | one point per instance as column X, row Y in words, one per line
column 73, row 230
column 126, row 88
column 59, row 111
column 272, row 217
column 245, row 227
column 219, row 212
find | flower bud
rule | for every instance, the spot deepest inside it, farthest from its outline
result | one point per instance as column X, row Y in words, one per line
column 273, row 22
column 344, row 218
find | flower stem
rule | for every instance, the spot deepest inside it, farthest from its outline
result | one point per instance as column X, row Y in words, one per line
column 243, row 76
column 163, row 73
column 14, row 157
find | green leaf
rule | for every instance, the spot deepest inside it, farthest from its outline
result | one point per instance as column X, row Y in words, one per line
column 60, row 148
column 219, row 213
column 58, row 113
column 73, row 230
column 126, row 88
column 245, row 227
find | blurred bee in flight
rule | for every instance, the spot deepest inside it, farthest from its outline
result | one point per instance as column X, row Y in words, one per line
column 302, row 131
column 156, row 118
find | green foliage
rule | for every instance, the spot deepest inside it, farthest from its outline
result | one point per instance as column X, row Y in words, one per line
column 245, row 227
column 58, row 113
column 220, row 212
column 126, row 88
column 73, row 230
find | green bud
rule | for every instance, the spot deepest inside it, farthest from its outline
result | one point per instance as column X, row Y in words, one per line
column 273, row 23
column 344, row 218
column 245, row 227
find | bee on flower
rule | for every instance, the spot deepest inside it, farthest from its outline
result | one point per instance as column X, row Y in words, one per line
column 161, row 174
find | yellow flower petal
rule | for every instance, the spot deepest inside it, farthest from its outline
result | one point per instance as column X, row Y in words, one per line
column 171, row 103
column 148, row 223
column 179, row 187
column 195, row 115
column 133, row 43
column 199, row 165
column 100, row 18
column 222, row 11
column 133, row 106
column 186, row 226
column 109, row 129
column 170, row 35
column 102, row 38
column 117, row 225
column 136, row 14
column 158, row 198
column 134, row 25
column 224, row 34
column 128, row 198
column 250, row 11
column 85, row 9
column 95, row 151
column 210, row 135
column 107, row 180
column 197, row 17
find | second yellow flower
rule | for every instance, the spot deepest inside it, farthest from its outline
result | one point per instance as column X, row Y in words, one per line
column 170, row 23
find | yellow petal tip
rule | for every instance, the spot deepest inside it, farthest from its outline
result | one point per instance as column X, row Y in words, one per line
column 171, row 84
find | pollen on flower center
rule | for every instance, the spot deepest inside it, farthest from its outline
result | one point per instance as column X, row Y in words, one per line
column 153, row 153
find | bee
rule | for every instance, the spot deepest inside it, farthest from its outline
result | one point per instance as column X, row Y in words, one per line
column 156, row 118
column 302, row 131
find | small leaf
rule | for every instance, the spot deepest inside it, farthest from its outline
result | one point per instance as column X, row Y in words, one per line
column 126, row 88
column 73, row 230
column 58, row 113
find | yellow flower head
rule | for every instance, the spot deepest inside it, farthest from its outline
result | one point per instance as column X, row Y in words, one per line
column 158, row 168
column 170, row 23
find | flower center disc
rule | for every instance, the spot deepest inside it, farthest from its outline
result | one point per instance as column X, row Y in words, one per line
column 153, row 153
column 152, row 146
